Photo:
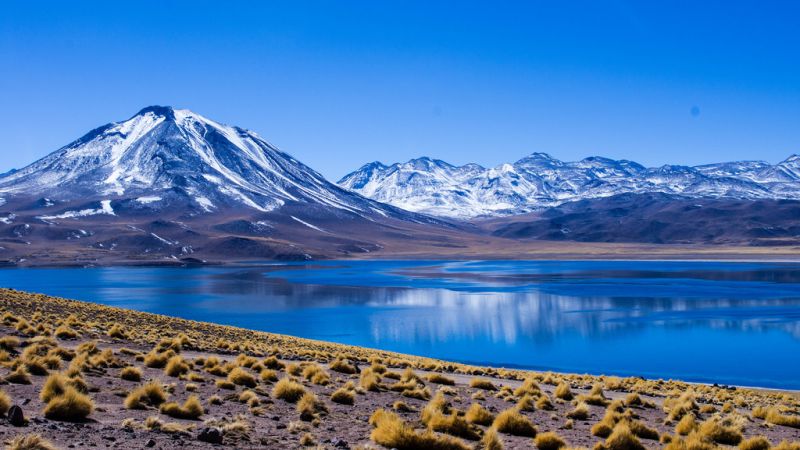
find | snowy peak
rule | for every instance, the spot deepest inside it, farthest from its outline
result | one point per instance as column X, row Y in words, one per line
column 177, row 155
column 540, row 180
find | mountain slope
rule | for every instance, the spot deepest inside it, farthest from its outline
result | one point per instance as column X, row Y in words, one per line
column 169, row 184
column 539, row 181
column 656, row 218
column 168, row 153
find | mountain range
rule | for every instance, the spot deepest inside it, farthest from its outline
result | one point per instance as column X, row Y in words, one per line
column 540, row 181
column 169, row 186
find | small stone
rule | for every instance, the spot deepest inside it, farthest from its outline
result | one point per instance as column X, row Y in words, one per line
column 150, row 443
column 210, row 435
column 340, row 443
column 15, row 416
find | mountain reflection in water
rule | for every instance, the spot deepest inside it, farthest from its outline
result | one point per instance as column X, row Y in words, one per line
column 690, row 320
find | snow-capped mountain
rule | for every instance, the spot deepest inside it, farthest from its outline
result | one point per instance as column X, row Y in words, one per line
column 162, row 155
column 169, row 184
column 539, row 181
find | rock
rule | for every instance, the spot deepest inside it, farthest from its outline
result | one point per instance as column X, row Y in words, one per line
column 340, row 443
column 15, row 416
column 210, row 435
column 150, row 443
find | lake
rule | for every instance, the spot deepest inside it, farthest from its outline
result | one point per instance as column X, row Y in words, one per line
column 723, row 322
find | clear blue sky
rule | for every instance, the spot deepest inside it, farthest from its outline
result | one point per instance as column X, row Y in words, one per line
column 338, row 84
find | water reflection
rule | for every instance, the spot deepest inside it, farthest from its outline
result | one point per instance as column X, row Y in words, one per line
column 601, row 317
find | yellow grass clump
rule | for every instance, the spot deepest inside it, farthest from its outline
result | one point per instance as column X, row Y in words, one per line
column 268, row 375
column 715, row 430
column 343, row 396
column 242, row 377
column 437, row 378
column 5, row 402
column 31, row 441
column 70, row 406
column 512, row 422
column 343, row 366
column 580, row 412
column 491, row 440
column 19, row 376
column 288, row 390
column 191, row 409
column 622, row 438
column 755, row 443
column 481, row 383
column 149, row 394
column 131, row 373
column 392, row 432
column 775, row 417
column 563, row 391
column 549, row 441
column 309, row 406
column 176, row 366
column 479, row 415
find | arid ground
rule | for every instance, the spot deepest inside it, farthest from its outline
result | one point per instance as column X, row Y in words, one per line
column 80, row 375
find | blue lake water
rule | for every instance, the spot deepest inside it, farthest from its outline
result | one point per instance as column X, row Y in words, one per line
column 731, row 323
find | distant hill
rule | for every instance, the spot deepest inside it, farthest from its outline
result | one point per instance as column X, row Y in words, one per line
column 659, row 219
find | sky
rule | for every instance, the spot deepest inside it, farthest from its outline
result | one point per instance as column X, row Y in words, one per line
column 338, row 84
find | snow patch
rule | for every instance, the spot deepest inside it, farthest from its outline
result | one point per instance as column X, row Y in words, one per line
column 105, row 209
column 148, row 199
column 308, row 224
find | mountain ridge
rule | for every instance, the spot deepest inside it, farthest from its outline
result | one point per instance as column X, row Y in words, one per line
column 539, row 181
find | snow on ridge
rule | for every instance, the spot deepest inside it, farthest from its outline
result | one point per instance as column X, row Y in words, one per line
column 149, row 199
column 308, row 224
column 164, row 150
column 105, row 209
column 539, row 181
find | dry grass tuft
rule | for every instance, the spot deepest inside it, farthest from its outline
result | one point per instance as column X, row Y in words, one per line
column 622, row 438
column 70, row 406
column 149, row 394
column 549, row 441
column 191, row 409
column 19, row 376
column 512, row 422
column 480, row 383
column 491, row 440
column 131, row 373
column 288, row 390
column 755, row 443
column 343, row 396
column 437, row 378
column 775, row 417
column 5, row 402
column 343, row 366
column 30, row 442
column 715, row 430
column 176, row 366
column 309, row 406
column 563, row 391
column 242, row 377
column 479, row 415
column 392, row 432
column 581, row 412
column 268, row 375
column 686, row 425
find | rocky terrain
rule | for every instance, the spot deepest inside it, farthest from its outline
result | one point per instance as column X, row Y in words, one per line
column 80, row 375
